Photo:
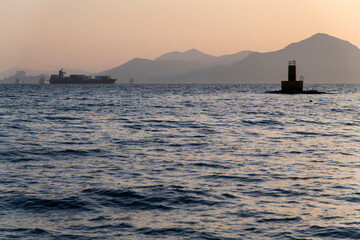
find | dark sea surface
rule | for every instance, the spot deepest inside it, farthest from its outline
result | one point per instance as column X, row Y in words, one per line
column 179, row 162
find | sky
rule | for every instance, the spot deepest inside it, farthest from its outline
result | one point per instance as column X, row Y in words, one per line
column 96, row 35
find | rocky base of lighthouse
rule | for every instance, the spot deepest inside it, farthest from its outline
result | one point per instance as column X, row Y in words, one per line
column 298, row 92
column 292, row 86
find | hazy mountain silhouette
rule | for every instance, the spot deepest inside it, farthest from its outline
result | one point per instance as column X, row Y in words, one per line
column 13, row 71
column 20, row 77
column 148, row 71
column 169, row 66
column 192, row 55
column 231, row 58
column 320, row 58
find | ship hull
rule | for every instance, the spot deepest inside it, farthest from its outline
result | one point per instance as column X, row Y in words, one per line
column 82, row 81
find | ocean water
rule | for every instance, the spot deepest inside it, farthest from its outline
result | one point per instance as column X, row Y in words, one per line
column 179, row 162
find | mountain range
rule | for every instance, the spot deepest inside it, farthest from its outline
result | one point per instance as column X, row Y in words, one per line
column 170, row 66
column 320, row 58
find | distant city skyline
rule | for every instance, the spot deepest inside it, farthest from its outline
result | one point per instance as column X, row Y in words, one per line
column 96, row 35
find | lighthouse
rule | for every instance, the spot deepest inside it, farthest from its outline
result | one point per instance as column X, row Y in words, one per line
column 291, row 85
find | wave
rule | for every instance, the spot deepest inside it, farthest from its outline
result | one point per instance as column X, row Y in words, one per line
column 37, row 204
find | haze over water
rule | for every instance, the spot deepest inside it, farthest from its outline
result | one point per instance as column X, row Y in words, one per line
column 178, row 161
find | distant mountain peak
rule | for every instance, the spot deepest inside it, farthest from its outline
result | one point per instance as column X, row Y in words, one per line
column 193, row 50
column 322, row 40
column 322, row 58
column 322, row 36
column 189, row 55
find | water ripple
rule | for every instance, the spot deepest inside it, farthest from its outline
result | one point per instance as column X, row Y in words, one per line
column 178, row 162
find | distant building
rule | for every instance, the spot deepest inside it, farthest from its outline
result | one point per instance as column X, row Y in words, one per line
column 20, row 74
column 20, row 78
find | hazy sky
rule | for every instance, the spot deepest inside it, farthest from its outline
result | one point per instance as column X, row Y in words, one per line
column 95, row 35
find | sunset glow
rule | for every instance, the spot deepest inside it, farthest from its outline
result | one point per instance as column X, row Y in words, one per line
column 97, row 35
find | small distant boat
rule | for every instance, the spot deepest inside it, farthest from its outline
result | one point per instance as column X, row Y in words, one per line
column 42, row 80
column 19, row 82
column 61, row 78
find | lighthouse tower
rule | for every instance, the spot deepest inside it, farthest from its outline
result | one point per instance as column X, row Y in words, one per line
column 291, row 85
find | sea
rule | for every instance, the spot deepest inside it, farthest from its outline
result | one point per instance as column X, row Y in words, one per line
column 179, row 162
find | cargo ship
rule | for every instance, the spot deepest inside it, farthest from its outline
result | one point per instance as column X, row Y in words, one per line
column 61, row 78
